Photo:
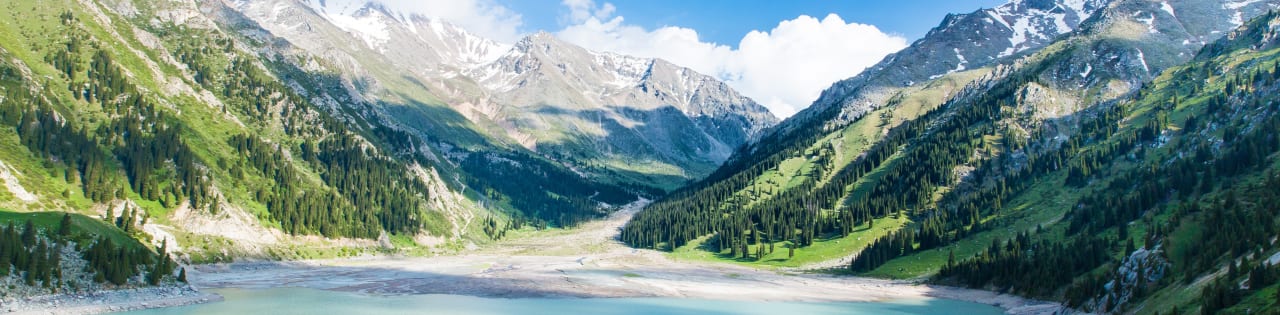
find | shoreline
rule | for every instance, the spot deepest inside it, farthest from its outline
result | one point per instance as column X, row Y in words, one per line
column 586, row 262
column 398, row 276
column 108, row 301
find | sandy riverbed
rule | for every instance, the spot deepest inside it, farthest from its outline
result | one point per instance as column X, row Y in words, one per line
column 585, row 262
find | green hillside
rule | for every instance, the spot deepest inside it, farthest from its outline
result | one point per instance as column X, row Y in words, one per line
column 220, row 138
column 1106, row 207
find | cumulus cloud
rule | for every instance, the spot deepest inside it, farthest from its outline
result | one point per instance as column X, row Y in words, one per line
column 482, row 17
column 581, row 10
column 785, row 69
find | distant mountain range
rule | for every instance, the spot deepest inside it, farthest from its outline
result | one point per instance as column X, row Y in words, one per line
column 613, row 118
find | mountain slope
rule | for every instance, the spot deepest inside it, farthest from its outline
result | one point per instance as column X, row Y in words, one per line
column 833, row 134
column 961, row 42
column 154, row 110
column 1153, row 179
column 944, row 172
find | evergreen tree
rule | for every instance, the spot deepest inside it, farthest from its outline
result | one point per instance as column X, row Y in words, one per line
column 64, row 226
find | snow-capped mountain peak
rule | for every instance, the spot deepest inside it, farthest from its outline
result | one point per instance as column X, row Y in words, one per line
column 595, row 70
column 380, row 27
column 366, row 20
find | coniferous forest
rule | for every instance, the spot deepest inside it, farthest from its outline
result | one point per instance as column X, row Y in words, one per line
column 37, row 252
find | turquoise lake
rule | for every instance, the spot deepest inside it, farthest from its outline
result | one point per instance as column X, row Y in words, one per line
column 313, row 301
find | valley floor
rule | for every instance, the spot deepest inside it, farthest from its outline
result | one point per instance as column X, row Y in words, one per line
column 583, row 262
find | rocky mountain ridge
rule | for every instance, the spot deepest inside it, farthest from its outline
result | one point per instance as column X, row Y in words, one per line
column 587, row 110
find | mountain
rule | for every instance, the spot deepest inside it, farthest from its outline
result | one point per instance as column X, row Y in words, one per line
column 286, row 129
column 615, row 119
column 433, row 44
column 629, row 114
column 1034, row 174
column 962, row 41
column 209, row 147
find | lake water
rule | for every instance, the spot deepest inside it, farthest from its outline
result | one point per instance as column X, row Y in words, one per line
column 312, row 301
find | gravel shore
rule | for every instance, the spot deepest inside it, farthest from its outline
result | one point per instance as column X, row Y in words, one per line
column 108, row 301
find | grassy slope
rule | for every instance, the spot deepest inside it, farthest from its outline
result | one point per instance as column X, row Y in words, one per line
column 850, row 142
column 1048, row 201
column 24, row 26
column 823, row 249
column 1042, row 205
column 207, row 132
column 83, row 228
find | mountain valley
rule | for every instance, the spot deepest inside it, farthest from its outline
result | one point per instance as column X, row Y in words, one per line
column 1042, row 156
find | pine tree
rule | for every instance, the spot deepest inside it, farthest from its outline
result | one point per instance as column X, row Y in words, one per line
column 64, row 227
column 29, row 234
column 951, row 260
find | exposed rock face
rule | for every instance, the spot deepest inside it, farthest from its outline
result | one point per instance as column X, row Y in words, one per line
column 625, row 107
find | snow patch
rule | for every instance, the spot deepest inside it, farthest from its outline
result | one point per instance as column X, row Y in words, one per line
column 1077, row 6
column 1150, row 21
column 629, row 71
column 1060, row 21
column 356, row 17
column 1236, row 5
column 1020, row 29
column 998, row 19
column 1143, row 58
column 963, row 62
column 1238, row 18
column 470, row 49
column 1164, row 5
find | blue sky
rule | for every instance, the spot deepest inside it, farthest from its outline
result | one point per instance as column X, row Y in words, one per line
column 726, row 21
column 780, row 53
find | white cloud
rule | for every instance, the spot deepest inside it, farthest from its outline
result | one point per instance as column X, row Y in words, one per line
column 581, row 10
column 482, row 17
column 784, row 69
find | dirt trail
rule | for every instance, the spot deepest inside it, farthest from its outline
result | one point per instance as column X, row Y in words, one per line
column 584, row 262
